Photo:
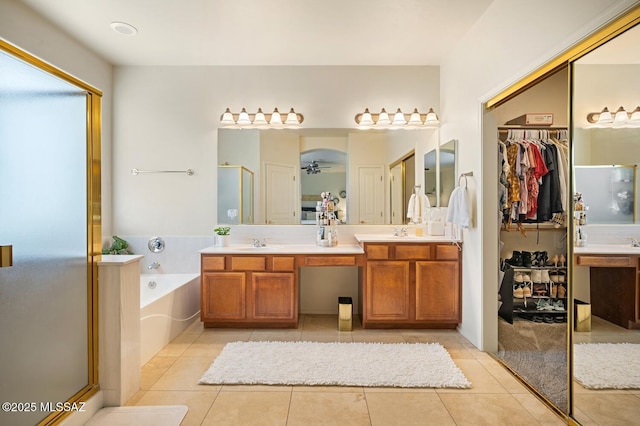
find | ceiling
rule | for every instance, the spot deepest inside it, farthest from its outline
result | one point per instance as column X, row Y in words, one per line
column 274, row 32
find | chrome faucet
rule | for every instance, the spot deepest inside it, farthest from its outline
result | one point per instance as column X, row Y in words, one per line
column 257, row 242
column 154, row 265
column 634, row 241
column 402, row 232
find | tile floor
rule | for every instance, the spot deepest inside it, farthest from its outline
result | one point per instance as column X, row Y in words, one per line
column 496, row 398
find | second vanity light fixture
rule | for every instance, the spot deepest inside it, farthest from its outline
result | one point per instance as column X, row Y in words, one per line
column 398, row 120
column 261, row 120
column 620, row 118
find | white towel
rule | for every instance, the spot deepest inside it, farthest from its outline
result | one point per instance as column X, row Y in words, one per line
column 458, row 209
column 417, row 208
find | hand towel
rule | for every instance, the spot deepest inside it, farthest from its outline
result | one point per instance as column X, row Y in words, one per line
column 417, row 208
column 458, row 210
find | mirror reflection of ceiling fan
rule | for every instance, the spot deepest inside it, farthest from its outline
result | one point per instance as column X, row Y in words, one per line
column 313, row 168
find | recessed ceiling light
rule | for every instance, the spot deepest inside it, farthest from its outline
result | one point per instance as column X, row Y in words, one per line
column 124, row 28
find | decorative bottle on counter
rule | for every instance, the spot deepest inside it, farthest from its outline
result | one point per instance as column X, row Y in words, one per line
column 326, row 222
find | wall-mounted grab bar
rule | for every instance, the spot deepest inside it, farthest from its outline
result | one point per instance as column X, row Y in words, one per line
column 189, row 172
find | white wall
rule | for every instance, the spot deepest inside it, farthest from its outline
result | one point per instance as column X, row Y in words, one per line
column 167, row 118
column 510, row 40
column 27, row 30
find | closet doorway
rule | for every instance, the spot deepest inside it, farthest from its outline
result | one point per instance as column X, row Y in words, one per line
column 533, row 205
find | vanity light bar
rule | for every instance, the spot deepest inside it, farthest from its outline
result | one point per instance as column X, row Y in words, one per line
column 261, row 120
column 399, row 120
column 620, row 118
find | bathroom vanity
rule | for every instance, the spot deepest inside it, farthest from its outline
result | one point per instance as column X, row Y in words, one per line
column 404, row 282
column 614, row 271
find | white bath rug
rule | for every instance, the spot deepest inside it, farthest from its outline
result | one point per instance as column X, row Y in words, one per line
column 607, row 365
column 160, row 415
column 420, row 365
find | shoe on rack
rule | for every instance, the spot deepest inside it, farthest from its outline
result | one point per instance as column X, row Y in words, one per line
column 526, row 291
column 536, row 276
column 553, row 261
column 545, row 276
column 562, row 275
column 543, row 257
column 554, row 277
column 542, row 305
column 562, row 292
column 562, row 260
column 515, row 260
column 526, row 259
column 540, row 289
column 558, row 305
column 518, row 293
column 554, row 290
column 548, row 319
column 518, row 277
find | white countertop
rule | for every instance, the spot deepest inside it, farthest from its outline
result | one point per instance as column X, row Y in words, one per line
column 607, row 249
column 285, row 249
column 119, row 259
column 389, row 238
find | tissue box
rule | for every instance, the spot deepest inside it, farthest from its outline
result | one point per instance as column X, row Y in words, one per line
column 435, row 228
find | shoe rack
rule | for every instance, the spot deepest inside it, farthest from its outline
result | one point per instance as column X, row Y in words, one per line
column 537, row 293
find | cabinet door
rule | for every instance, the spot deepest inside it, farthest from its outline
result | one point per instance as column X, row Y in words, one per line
column 387, row 291
column 223, row 296
column 438, row 291
column 274, row 296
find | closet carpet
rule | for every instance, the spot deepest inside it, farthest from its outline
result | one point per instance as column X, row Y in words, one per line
column 538, row 353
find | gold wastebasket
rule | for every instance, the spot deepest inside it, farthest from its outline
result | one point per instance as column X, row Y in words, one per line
column 345, row 314
column 582, row 315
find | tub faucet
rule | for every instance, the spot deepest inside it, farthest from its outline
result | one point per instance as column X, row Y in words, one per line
column 154, row 265
column 634, row 242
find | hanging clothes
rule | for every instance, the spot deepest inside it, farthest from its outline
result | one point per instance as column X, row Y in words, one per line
column 533, row 176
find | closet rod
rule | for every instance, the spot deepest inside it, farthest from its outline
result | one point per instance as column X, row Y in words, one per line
column 552, row 129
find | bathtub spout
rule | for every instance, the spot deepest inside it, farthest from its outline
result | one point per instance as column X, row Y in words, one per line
column 154, row 265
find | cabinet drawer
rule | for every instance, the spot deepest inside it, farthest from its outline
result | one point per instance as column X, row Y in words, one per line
column 606, row 261
column 248, row 263
column 213, row 263
column 408, row 251
column 283, row 263
column 447, row 252
column 330, row 261
column 377, row 252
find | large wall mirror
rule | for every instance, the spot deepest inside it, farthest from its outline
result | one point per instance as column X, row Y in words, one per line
column 606, row 155
column 291, row 168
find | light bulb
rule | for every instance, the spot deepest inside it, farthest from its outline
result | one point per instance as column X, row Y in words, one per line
column 259, row 119
column 398, row 118
column 243, row 119
column 292, row 118
column 415, row 119
column 621, row 116
column 276, row 119
column 366, row 119
column 432, row 118
column 605, row 117
column 635, row 115
column 383, row 118
column 227, row 118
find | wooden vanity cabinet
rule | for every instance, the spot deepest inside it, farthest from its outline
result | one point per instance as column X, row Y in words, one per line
column 249, row 291
column 411, row 285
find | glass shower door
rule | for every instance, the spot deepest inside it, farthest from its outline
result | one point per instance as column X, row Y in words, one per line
column 43, row 215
